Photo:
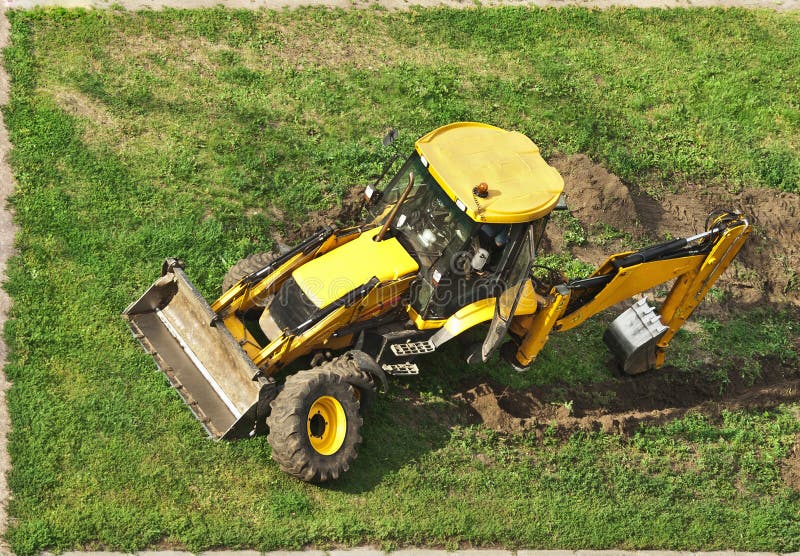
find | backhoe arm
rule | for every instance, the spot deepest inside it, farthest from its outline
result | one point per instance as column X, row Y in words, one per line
column 690, row 289
column 695, row 262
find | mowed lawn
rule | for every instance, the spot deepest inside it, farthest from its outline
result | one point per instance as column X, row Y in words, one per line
column 203, row 134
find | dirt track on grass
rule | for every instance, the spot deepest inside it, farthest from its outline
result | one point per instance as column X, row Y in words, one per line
column 621, row 405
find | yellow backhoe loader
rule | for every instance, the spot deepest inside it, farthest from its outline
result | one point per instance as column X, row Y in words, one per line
column 449, row 244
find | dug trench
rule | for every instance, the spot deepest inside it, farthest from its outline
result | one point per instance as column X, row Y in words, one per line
column 614, row 217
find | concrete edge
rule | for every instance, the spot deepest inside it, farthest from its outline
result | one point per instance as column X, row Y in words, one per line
column 374, row 551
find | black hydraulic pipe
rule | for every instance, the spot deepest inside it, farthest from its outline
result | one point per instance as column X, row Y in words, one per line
column 594, row 281
column 311, row 243
column 651, row 253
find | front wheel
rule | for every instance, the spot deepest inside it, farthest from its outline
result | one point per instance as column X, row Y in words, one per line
column 246, row 266
column 314, row 426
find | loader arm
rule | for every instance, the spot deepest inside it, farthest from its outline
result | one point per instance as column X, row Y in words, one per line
column 694, row 262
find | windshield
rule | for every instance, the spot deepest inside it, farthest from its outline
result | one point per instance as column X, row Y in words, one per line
column 429, row 220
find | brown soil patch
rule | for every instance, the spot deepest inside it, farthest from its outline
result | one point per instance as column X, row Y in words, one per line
column 346, row 213
column 621, row 405
column 766, row 270
column 790, row 469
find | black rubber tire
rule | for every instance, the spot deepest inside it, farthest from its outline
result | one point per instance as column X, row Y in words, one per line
column 363, row 382
column 288, row 426
column 246, row 266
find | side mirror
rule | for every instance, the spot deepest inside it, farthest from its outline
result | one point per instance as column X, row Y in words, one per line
column 390, row 137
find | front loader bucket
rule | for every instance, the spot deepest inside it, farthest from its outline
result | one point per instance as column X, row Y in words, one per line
column 212, row 373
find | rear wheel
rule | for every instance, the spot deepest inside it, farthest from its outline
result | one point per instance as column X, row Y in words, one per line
column 314, row 425
column 246, row 266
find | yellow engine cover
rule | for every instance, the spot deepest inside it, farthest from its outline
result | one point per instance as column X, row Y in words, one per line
column 327, row 278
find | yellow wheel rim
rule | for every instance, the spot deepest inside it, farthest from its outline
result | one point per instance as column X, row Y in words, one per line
column 327, row 425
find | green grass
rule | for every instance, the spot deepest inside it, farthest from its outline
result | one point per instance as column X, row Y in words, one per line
column 199, row 134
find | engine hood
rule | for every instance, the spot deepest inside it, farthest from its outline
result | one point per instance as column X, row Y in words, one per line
column 327, row 278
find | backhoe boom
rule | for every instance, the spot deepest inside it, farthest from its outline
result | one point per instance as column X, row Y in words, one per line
column 694, row 262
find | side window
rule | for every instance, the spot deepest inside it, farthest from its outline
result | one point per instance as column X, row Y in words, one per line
column 391, row 194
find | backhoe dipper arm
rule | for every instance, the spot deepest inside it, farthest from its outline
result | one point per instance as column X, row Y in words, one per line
column 690, row 289
column 695, row 262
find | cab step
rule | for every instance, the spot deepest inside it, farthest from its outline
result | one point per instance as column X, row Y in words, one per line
column 401, row 369
column 409, row 348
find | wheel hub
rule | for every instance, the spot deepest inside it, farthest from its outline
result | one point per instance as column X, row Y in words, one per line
column 326, row 425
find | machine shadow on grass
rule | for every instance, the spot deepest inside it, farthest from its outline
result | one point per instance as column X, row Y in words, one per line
column 396, row 434
column 418, row 415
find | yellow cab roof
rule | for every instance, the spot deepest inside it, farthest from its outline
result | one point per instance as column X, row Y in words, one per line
column 522, row 186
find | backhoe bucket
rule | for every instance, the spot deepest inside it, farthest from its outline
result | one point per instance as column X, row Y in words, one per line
column 632, row 337
column 204, row 363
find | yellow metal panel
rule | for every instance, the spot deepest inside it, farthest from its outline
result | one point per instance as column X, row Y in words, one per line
column 470, row 315
column 476, row 313
column 382, row 299
column 539, row 328
column 629, row 281
column 529, row 301
column 240, row 297
column 327, row 278
column 522, row 186
column 421, row 323
column 242, row 336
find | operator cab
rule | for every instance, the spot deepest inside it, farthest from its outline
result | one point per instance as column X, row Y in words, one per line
column 476, row 210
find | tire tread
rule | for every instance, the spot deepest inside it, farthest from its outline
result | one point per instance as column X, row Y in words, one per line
column 246, row 266
column 287, row 425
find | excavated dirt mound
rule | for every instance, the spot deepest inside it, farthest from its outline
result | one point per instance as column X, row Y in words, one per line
column 347, row 213
column 621, row 405
column 767, row 268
